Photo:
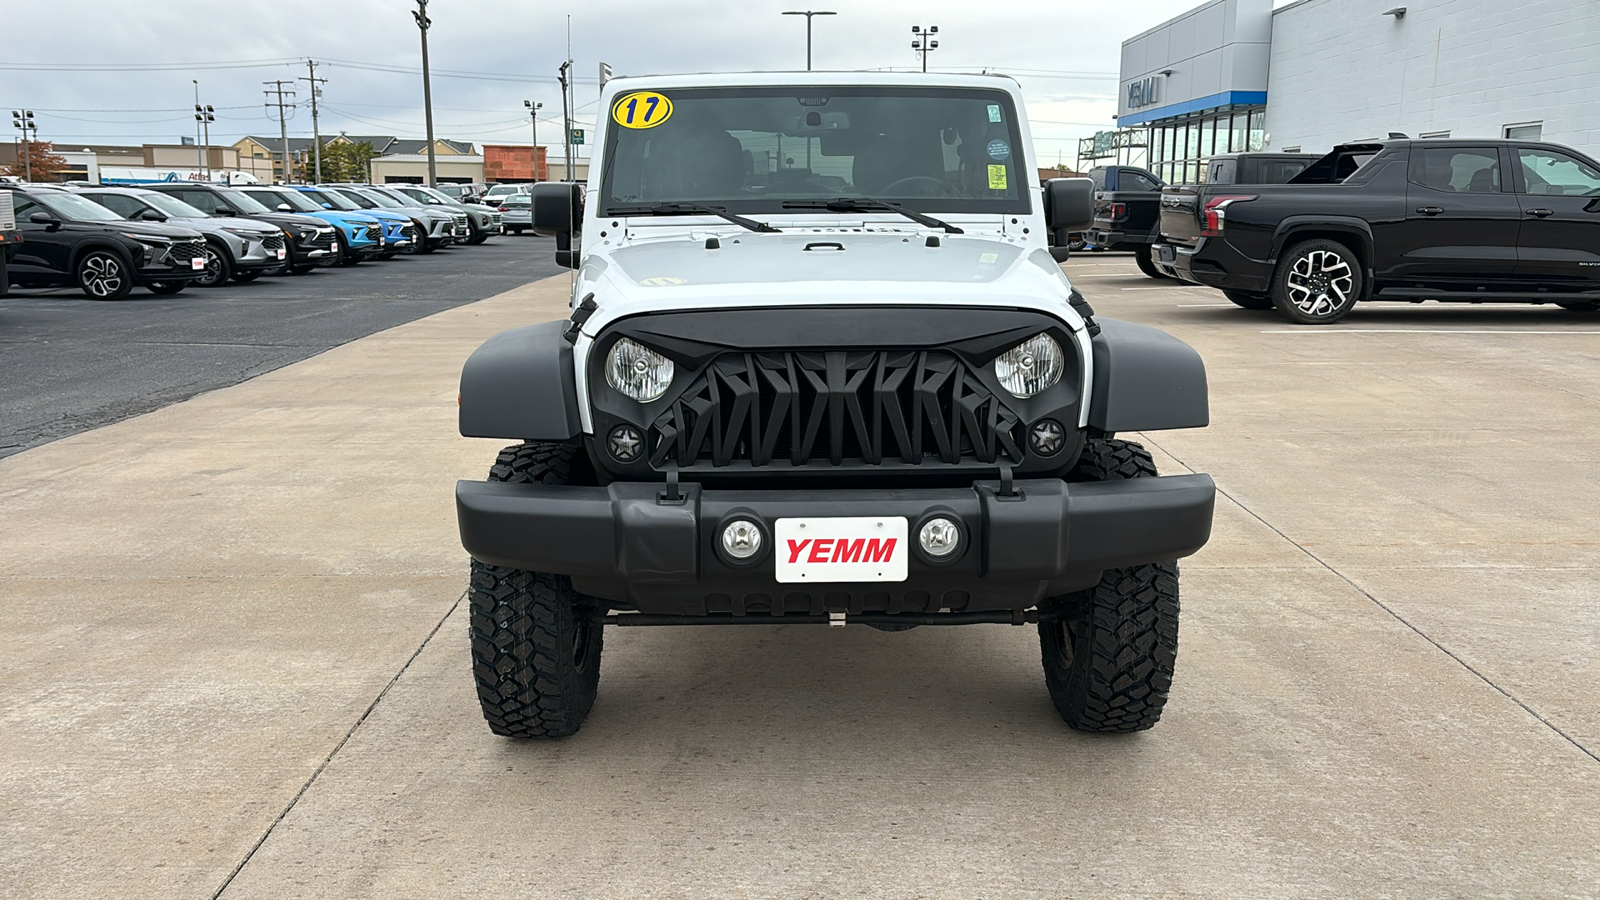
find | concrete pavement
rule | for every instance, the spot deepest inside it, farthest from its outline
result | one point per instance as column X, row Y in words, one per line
column 232, row 657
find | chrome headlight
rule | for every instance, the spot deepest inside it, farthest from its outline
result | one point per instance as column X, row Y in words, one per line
column 1030, row 367
column 638, row 372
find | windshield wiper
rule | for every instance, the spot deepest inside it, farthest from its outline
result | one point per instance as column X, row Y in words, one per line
column 871, row 204
column 678, row 209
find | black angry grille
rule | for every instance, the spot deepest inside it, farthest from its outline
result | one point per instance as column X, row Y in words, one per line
column 273, row 242
column 317, row 241
column 374, row 233
column 184, row 251
column 836, row 406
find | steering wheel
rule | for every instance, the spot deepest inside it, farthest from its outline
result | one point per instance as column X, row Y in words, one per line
column 940, row 188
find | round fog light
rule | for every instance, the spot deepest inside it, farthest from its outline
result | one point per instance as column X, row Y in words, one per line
column 939, row 537
column 1047, row 437
column 741, row 539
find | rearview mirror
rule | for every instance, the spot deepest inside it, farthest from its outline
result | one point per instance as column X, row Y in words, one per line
column 558, row 212
column 1069, row 204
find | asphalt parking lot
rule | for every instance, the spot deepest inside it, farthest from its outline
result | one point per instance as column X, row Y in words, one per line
column 68, row 364
column 233, row 660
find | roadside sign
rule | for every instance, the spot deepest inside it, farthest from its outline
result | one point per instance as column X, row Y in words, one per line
column 577, row 135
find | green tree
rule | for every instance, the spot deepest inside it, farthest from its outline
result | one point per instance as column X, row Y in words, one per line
column 345, row 161
column 36, row 156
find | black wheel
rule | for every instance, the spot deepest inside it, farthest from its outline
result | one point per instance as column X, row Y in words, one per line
column 1317, row 282
column 247, row 277
column 1580, row 306
column 1076, row 241
column 1147, row 265
column 346, row 257
column 1249, row 300
column 167, row 287
column 478, row 237
column 535, row 641
column 219, row 267
column 103, row 275
column 1109, row 657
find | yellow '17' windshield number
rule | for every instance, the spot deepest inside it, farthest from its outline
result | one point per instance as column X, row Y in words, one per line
column 641, row 109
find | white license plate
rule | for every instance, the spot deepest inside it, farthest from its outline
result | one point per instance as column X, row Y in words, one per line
column 198, row 263
column 282, row 253
column 855, row 549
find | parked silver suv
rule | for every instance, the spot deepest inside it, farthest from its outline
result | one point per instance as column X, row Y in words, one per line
column 236, row 248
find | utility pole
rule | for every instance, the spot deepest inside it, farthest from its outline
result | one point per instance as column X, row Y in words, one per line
column 808, row 13
column 533, row 117
column 283, row 127
column 316, row 133
column 423, row 24
column 922, row 42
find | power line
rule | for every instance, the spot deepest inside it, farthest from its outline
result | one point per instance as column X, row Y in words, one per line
column 144, row 67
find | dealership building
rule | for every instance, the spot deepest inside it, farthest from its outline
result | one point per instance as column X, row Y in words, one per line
column 1235, row 75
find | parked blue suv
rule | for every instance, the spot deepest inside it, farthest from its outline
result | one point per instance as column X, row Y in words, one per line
column 399, row 229
column 360, row 236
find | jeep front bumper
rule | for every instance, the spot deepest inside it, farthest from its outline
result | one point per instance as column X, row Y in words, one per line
column 630, row 544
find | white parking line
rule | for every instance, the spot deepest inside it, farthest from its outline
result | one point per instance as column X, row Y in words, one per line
column 1427, row 331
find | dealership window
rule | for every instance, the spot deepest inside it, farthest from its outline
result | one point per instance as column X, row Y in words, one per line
column 1180, row 148
column 1526, row 131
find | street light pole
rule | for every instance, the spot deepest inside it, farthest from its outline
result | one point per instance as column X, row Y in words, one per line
column 23, row 119
column 808, row 13
column 423, row 23
column 923, row 42
column 199, row 157
column 533, row 118
column 203, row 116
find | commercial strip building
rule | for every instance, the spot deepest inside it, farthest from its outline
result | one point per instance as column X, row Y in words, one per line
column 1235, row 75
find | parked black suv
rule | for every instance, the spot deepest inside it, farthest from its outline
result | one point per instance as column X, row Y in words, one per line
column 1454, row 220
column 311, row 240
column 72, row 241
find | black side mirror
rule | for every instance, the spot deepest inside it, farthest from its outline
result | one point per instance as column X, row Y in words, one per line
column 51, row 223
column 558, row 212
column 1069, row 204
column 153, row 215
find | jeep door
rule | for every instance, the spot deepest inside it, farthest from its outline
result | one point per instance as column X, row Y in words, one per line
column 1462, row 218
column 1559, row 194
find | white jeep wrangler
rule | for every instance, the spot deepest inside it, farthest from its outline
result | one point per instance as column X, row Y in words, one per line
column 821, row 368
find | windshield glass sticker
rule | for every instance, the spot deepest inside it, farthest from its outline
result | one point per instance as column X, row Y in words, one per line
column 663, row 281
column 641, row 109
column 997, row 178
column 988, row 258
column 994, row 112
column 999, row 149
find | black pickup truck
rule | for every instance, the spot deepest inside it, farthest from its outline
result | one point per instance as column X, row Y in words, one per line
column 1257, row 168
column 1127, row 207
column 1450, row 220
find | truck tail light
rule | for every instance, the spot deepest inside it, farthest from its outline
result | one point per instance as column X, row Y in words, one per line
column 1215, row 215
column 1118, row 210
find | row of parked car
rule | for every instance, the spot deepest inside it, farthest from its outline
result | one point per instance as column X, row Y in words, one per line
column 1451, row 220
column 166, row 237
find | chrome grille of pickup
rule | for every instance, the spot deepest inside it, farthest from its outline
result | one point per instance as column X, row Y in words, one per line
column 837, row 406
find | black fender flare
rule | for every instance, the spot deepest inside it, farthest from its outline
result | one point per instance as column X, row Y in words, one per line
column 520, row 385
column 1145, row 380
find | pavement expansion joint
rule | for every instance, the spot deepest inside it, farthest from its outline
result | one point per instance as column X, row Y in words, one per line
column 1381, row 605
column 328, row 760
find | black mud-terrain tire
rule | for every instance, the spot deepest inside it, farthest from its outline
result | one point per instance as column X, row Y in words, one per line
column 1108, row 661
column 1148, row 265
column 103, row 275
column 536, row 642
column 1248, row 300
column 1307, row 291
column 219, row 266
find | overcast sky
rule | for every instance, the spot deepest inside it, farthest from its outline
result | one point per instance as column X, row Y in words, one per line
column 114, row 71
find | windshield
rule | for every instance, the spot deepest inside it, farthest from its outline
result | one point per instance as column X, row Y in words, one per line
column 332, row 198
column 432, row 196
column 380, row 198
column 71, row 206
column 294, row 198
column 355, row 196
column 242, row 202
column 172, row 206
column 750, row 149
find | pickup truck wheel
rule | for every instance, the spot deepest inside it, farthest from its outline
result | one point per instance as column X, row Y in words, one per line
column 1317, row 282
column 1108, row 661
column 1249, row 300
column 1147, row 265
column 536, row 642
